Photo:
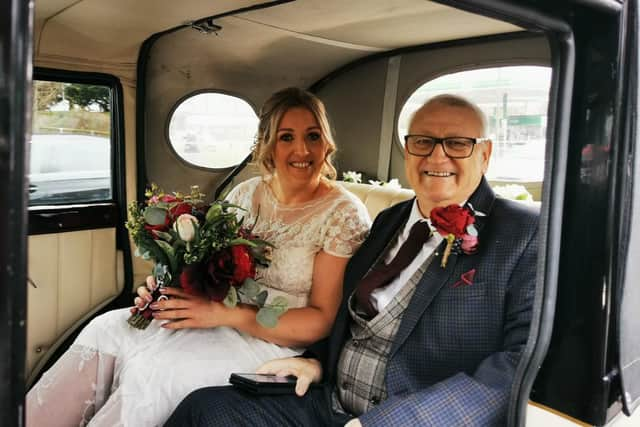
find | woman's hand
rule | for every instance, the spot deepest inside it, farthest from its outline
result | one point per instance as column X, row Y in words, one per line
column 144, row 295
column 306, row 370
column 184, row 310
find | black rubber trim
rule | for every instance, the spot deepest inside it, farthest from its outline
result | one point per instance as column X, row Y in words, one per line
column 232, row 174
column 16, row 28
column 73, row 218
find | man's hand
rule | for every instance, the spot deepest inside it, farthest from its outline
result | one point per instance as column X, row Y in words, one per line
column 306, row 370
column 353, row 423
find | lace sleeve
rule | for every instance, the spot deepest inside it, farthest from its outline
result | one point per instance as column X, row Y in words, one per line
column 242, row 195
column 346, row 228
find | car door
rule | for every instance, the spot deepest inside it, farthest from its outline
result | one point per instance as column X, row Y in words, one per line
column 76, row 243
column 15, row 79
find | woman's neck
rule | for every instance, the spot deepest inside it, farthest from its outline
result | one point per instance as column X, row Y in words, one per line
column 289, row 194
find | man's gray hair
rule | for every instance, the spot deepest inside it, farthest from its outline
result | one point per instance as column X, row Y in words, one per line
column 460, row 102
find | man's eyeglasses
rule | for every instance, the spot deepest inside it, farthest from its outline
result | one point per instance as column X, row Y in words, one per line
column 455, row 147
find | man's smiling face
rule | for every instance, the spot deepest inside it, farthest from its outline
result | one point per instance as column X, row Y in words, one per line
column 437, row 179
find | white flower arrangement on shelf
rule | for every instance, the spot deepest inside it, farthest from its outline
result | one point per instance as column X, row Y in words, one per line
column 356, row 177
column 513, row 192
column 352, row 176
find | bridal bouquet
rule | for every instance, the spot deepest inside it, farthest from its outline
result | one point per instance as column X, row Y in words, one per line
column 202, row 248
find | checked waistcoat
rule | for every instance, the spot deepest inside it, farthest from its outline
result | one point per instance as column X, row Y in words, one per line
column 363, row 360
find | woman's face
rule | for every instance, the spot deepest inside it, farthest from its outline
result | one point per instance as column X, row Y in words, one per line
column 300, row 147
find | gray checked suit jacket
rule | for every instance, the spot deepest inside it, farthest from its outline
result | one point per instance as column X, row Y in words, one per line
column 453, row 359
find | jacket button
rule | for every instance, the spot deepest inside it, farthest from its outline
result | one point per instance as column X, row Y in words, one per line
column 374, row 400
column 356, row 343
column 346, row 385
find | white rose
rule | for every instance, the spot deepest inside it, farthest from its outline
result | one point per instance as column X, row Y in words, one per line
column 185, row 226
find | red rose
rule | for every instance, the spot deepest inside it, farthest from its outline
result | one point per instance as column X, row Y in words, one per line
column 452, row 219
column 191, row 279
column 219, row 273
column 243, row 266
column 179, row 209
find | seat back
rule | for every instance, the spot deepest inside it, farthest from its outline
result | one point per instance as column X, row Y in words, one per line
column 377, row 198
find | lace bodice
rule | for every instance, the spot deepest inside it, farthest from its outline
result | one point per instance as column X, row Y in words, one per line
column 336, row 223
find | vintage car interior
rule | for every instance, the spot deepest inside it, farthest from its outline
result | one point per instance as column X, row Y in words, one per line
column 167, row 92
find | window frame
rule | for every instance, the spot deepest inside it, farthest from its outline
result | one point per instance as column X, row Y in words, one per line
column 402, row 101
column 179, row 102
column 62, row 217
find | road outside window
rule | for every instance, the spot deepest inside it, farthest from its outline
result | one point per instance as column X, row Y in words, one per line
column 70, row 148
column 514, row 100
column 213, row 130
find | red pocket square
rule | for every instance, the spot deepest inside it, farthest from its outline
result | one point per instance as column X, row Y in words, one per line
column 466, row 279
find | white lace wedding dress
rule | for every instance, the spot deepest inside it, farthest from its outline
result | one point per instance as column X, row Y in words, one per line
column 114, row 375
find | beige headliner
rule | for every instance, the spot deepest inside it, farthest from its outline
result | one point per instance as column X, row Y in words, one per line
column 99, row 35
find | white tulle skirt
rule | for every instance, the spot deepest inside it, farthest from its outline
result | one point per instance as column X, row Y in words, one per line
column 138, row 377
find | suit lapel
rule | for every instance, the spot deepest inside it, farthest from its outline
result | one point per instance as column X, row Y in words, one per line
column 435, row 277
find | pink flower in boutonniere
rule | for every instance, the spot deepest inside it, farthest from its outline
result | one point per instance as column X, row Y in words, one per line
column 455, row 224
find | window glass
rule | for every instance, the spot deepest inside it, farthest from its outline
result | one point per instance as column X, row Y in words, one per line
column 514, row 99
column 213, row 130
column 70, row 148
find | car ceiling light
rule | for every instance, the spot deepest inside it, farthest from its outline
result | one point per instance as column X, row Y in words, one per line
column 206, row 26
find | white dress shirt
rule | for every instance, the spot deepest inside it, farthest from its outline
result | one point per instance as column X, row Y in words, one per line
column 380, row 297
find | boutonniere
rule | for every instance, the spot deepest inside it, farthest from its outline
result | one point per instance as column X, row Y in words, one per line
column 456, row 224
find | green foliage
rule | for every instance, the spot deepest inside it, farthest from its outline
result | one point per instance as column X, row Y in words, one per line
column 84, row 95
column 46, row 94
column 231, row 300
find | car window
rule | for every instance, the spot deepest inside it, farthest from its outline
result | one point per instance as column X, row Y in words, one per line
column 70, row 147
column 514, row 99
column 212, row 130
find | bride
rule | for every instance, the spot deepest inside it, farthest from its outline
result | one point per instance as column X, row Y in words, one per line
column 116, row 375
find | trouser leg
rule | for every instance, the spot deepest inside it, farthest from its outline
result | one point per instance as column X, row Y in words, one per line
column 228, row 406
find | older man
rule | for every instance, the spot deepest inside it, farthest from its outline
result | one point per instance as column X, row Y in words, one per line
column 436, row 308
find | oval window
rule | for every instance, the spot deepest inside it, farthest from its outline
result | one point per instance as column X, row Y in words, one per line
column 514, row 99
column 213, row 130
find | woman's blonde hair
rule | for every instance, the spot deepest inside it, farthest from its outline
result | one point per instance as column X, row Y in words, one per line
column 270, row 116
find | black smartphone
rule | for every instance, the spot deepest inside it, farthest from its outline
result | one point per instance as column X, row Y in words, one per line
column 264, row 383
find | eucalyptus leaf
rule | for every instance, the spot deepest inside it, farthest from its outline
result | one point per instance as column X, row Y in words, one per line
column 279, row 304
column 231, row 300
column 250, row 288
column 154, row 215
column 267, row 317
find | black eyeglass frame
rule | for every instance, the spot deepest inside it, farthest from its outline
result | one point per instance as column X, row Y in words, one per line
column 441, row 141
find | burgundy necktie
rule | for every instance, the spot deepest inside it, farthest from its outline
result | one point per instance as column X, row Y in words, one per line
column 381, row 274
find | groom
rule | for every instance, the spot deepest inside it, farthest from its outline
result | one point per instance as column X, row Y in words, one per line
column 425, row 335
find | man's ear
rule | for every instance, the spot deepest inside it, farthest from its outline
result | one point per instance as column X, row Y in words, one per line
column 487, row 147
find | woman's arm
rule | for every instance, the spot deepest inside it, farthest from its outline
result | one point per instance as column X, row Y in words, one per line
column 298, row 327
